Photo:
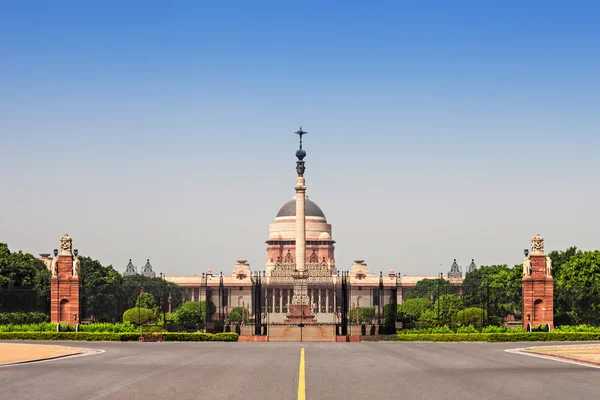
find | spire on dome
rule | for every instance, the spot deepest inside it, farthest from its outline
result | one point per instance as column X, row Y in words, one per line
column 300, row 153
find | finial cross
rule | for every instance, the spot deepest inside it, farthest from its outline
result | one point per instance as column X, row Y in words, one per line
column 300, row 133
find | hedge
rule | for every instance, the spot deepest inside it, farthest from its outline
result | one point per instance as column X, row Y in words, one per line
column 23, row 318
column 498, row 337
column 123, row 337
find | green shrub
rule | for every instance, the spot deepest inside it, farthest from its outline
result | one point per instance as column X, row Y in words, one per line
column 365, row 314
column 83, row 336
column 139, row 316
column 466, row 329
column 23, row 318
column 171, row 324
column 435, row 330
column 123, row 337
column 576, row 328
column 200, row 337
column 470, row 316
column 227, row 337
column 494, row 329
column 499, row 337
column 106, row 327
column 41, row 327
column 428, row 319
column 235, row 315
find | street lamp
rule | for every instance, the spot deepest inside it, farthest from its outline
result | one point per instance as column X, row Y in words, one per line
column 164, row 300
column 526, row 251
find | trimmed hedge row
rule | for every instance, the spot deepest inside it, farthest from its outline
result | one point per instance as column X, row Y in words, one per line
column 498, row 337
column 116, row 337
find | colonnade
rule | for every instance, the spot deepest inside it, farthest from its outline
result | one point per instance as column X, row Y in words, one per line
column 322, row 300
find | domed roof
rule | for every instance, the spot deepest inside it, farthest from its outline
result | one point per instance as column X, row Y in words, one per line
column 310, row 207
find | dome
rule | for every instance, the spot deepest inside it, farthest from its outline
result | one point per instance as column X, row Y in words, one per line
column 325, row 236
column 310, row 207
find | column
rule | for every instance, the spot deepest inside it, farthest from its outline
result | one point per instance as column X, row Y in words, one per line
column 273, row 309
column 327, row 301
column 281, row 300
column 319, row 292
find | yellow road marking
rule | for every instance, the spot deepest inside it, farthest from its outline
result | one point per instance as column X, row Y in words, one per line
column 301, row 382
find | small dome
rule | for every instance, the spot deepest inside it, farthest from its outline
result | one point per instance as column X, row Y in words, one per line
column 275, row 235
column 325, row 236
column 311, row 209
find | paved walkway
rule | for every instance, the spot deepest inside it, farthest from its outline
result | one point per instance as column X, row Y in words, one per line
column 11, row 353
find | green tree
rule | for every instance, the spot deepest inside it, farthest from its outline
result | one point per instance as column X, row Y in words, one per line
column 191, row 315
column 100, row 291
column 410, row 311
column 145, row 300
column 29, row 278
column 446, row 307
column 578, row 281
column 429, row 287
column 496, row 288
column 131, row 287
column 563, row 313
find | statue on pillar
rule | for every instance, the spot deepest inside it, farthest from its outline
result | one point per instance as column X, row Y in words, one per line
column 527, row 266
column 54, row 266
column 76, row 267
column 548, row 266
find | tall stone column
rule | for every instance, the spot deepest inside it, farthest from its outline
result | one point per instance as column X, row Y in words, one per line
column 301, row 307
column 300, row 224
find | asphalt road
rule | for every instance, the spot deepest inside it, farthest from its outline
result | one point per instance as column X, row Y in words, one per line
column 259, row 371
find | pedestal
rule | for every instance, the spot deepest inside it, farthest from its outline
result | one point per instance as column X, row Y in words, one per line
column 64, row 294
column 300, row 314
column 538, row 295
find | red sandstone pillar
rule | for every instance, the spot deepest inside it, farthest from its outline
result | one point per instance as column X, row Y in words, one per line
column 64, row 286
column 538, row 287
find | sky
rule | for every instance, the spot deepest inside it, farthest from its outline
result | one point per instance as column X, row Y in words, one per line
column 164, row 130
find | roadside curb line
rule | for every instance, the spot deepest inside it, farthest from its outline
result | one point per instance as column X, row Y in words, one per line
column 523, row 351
column 85, row 352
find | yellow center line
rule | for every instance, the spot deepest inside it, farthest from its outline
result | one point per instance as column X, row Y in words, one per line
column 301, row 382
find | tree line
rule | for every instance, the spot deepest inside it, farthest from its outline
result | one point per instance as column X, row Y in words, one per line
column 105, row 292
column 492, row 294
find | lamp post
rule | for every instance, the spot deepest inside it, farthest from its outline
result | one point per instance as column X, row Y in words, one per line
column 380, row 301
column 164, row 300
column 395, row 310
column 438, row 297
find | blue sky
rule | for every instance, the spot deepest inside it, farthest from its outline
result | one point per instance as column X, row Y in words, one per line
column 437, row 130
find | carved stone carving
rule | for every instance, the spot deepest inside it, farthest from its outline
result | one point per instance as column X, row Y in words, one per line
column 548, row 266
column 537, row 245
column 527, row 267
column 54, row 267
column 66, row 244
column 318, row 273
column 76, row 267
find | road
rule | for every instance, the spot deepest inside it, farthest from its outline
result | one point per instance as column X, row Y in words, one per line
column 258, row 371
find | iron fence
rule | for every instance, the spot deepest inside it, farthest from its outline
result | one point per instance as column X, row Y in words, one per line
column 348, row 307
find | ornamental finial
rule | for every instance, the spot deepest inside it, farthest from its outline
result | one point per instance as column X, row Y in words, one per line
column 537, row 245
column 300, row 168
